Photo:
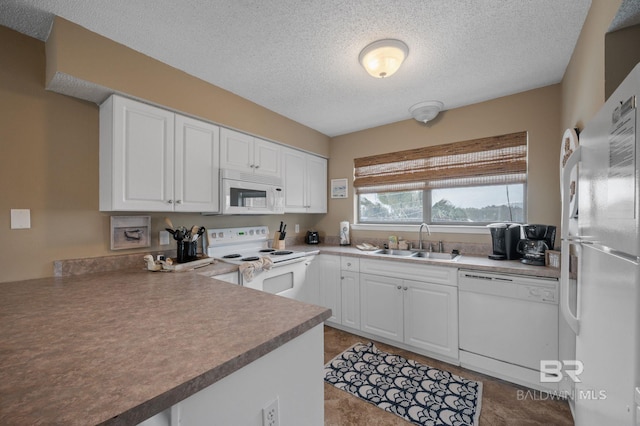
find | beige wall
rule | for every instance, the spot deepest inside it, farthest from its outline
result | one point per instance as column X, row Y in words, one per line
column 49, row 157
column 583, row 82
column 535, row 111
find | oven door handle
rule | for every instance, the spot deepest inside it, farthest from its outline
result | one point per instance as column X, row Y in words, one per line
column 289, row 262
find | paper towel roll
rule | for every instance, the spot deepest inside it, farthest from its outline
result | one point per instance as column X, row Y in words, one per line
column 344, row 233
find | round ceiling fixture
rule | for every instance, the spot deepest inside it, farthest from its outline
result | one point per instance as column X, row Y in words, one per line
column 383, row 58
column 426, row 111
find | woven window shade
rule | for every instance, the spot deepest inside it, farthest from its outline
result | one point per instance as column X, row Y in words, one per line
column 487, row 161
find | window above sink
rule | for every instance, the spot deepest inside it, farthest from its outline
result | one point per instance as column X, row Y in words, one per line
column 470, row 183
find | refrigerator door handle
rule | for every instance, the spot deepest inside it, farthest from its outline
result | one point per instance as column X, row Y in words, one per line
column 565, row 305
column 565, row 189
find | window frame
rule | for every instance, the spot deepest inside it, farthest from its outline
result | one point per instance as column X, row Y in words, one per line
column 426, row 212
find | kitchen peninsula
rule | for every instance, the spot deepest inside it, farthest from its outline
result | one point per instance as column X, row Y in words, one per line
column 120, row 347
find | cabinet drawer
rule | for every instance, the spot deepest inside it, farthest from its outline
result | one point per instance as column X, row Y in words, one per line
column 350, row 264
column 411, row 271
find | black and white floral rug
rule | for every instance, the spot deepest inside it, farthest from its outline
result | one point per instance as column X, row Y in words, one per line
column 418, row 393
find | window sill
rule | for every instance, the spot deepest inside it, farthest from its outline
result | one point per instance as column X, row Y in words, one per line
column 444, row 229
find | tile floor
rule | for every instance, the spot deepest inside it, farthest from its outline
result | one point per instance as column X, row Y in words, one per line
column 500, row 402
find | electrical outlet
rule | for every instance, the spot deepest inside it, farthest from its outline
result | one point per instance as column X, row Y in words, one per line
column 297, row 228
column 271, row 414
column 164, row 238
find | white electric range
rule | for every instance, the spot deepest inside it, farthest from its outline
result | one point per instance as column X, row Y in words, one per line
column 248, row 244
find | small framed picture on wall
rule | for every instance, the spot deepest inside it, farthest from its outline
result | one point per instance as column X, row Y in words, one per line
column 339, row 188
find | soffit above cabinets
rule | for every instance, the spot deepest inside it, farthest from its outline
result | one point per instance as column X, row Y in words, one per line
column 300, row 59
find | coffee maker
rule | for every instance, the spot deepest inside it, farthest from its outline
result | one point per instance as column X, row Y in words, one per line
column 504, row 240
column 537, row 239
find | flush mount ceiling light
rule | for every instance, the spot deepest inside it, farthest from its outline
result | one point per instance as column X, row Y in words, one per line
column 426, row 111
column 382, row 58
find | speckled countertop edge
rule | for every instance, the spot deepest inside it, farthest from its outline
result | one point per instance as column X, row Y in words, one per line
column 464, row 262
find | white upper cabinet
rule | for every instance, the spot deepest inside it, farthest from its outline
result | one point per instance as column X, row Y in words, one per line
column 305, row 182
column 197, row 145
column 239, row 151
column 152, row 159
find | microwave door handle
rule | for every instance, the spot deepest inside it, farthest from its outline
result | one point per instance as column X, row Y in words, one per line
column 272, row 199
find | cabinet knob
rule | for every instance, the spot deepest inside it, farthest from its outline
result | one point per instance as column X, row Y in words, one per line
column 251, row 165
column 348, row 263
column 399, row 287
column 169, row 201
column 342, row 278
column 405, row 289
column 257, row 166
column 178, row 201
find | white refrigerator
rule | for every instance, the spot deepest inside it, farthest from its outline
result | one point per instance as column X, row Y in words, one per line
column 606, row 240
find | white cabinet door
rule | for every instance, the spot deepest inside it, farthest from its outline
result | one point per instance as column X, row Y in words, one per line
column 154, row 160
column 311, row 287
column 316, row 171
column 196, row 166
column 239, row 151
column 381, row 311
column 431, row 317
column 266, row 158
column 350, row 299
column 294, row 171
column 328, row 273
column 305, row 182
column 136, row 156
column 236, row 151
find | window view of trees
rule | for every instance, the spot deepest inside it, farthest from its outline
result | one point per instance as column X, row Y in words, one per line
column 472, row 205
column 392, row 207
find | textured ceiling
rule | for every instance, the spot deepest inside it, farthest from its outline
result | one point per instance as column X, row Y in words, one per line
column 299, row 58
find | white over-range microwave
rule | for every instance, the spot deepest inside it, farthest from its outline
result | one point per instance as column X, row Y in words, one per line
column 244, row 193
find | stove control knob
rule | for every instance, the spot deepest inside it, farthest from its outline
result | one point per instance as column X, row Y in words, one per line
column 251, row 231
column 220, row 234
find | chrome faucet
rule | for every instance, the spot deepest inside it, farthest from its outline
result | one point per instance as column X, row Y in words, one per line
column 420, row 234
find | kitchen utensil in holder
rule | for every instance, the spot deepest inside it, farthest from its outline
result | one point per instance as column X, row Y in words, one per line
column 187, row 251
column 278, row 244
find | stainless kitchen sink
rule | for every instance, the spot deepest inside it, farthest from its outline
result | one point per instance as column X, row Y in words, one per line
column 417, row 254
column 394, row 252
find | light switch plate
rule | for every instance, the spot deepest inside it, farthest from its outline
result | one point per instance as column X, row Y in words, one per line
column 20, row 218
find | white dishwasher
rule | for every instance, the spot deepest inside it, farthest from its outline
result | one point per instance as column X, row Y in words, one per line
column 508, row 324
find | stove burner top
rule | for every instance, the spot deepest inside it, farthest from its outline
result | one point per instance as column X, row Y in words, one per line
column 281, row 252
column 250, row 258
column 267, row 250
column 231, row 256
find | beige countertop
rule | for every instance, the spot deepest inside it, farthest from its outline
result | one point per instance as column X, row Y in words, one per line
column 119, row 347
column 481, row 263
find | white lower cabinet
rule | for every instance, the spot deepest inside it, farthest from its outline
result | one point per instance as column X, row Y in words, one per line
column 431, row 317
column 350, row 290
column 381, row 309
column 420, row 314
column 411, row 304
column 326, row 268
column 339, row 289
